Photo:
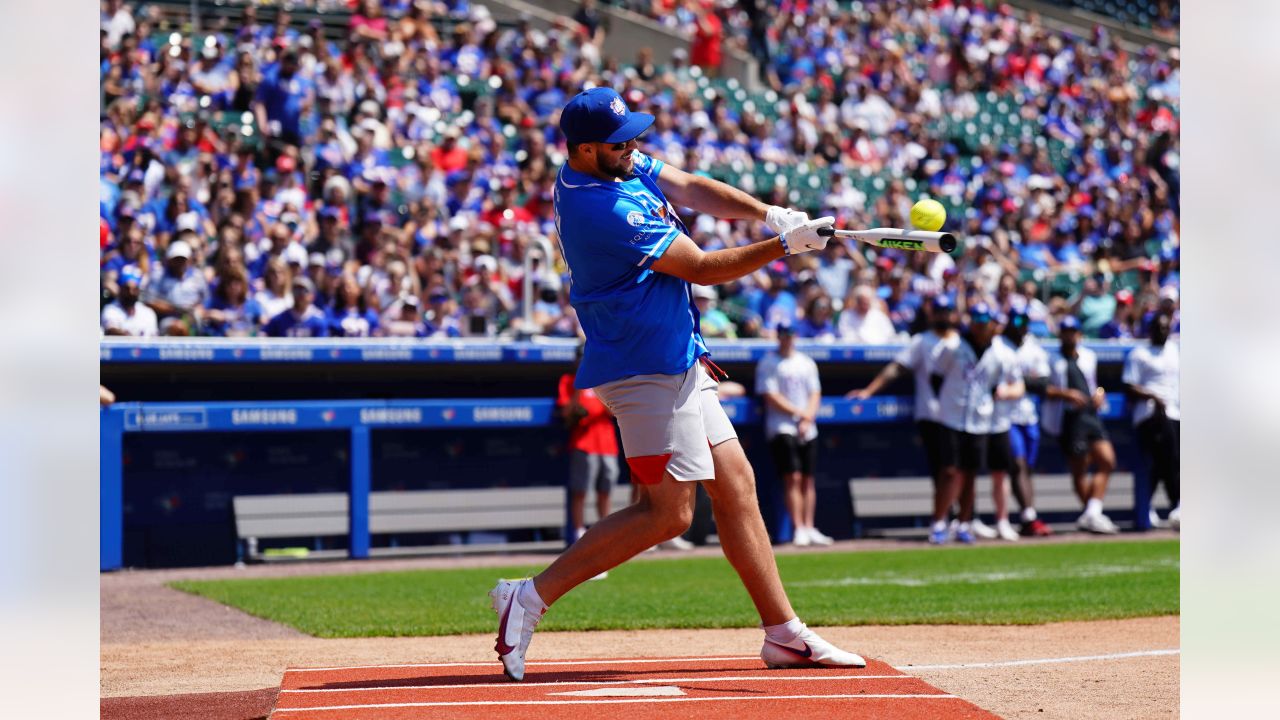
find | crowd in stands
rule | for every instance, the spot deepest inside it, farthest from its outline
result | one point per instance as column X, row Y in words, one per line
column 274, row 177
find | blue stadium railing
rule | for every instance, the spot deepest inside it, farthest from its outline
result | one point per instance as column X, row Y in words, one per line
column 339, row 350
column 360, row 417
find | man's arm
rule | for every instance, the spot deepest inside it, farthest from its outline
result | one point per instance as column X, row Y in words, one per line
column 685, row 260
column 886, row 375
column 709, row 196
column 777, row 401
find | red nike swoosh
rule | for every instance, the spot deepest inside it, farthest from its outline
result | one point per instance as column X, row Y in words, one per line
column 502, row 647
column 808, row 651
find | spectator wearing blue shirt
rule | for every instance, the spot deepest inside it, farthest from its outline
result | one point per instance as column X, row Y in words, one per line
column 303, row 319
column 817, row 323
column 350, row 315
column 231, row 312
column 777, row 306
column 282, row 98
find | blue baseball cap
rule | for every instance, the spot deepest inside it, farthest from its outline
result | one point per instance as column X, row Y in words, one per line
column 601, row 115
column 981, row 313
column 130, row 274
column 1069, row 323
column 941, row 302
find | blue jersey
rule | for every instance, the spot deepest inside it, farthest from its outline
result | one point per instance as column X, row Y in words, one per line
column 637, row 322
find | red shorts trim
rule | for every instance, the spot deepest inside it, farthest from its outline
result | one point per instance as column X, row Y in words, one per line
column 648, row 469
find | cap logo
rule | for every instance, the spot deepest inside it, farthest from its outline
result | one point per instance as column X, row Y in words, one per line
column 617, row 107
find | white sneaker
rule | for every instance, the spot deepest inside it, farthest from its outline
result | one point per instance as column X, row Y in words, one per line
column 982, row 530
column 801, row 538
column 676, row 543
column 516, row 624
column 817, row 538
column 1097, row 523
column 1156, row 522
column 601, row 576
column 807, row 650
column 1006, row 531
column 1175, row 518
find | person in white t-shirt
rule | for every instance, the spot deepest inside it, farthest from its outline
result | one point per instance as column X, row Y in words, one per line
column 1151, row 379
column 977, row 373
column 127, row 314
column 863, row 321
column 788, row 381
column 939, row 446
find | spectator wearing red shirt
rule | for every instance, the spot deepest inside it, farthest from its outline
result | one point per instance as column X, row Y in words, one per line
column 705, row 51
column 449, row 156
column 593, row 448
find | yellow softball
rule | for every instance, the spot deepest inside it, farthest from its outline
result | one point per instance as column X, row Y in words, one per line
column 928, row 214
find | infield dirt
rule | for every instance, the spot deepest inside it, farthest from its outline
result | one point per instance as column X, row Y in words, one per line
column 157, row 641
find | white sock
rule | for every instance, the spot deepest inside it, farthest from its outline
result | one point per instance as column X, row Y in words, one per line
column 528, row 597
column 578, row 533
column 786, row 632
column 1028, row 514
column 940, row 526
column 1093, row 507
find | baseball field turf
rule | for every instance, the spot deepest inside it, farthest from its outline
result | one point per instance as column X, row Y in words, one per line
column 996, row 584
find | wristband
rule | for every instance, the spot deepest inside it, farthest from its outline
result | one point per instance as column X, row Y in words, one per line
column 786, row 249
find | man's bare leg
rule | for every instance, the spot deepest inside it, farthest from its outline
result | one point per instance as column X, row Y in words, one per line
column 663, row 512
column 743, row 536
column 946, row 490
column 792, row 496
column 577, row 502
column 1000, row 495
column 1103, row 456
column 602, row 504
column 810, row 500
column 1081, row 481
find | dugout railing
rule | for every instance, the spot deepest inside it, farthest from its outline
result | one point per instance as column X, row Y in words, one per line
column 359, row 418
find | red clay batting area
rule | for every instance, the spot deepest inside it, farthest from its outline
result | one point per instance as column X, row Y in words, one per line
column 710, row 688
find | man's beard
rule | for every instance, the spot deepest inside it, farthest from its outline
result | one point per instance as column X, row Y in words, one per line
column 619, row 170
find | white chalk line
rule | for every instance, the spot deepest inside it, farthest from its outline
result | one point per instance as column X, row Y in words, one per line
column 976, row 578
column 538, row 663
column 1041, row 661
column 930, row 696
column 646, row 681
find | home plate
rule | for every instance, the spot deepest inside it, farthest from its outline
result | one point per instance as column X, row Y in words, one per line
column 656, row 691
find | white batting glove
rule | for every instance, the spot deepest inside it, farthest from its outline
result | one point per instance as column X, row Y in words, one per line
column 805, row 238
column 780, row 219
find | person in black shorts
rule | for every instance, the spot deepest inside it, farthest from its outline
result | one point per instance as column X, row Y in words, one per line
column 1076, row 399
column 787, row 381
column 972, row 376
column 939, row 445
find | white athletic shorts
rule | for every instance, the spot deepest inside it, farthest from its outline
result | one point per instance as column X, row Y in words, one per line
column 668, row 422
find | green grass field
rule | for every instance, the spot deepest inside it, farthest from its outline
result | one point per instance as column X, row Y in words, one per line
column 982, row 585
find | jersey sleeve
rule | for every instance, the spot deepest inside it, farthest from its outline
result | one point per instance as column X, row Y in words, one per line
column 909, row 356
column 646, row 165
column 815, row 382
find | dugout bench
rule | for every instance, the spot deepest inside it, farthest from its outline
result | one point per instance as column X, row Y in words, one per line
column 912, row 498
column 411, row 511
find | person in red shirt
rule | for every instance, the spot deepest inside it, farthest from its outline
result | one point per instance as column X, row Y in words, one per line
column 705, row 50
column 593, row 448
